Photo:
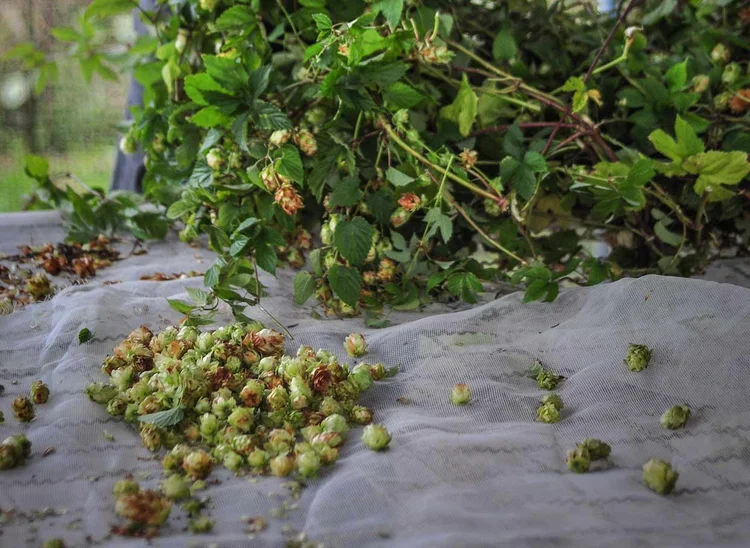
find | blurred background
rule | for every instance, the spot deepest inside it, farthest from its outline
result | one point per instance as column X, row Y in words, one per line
column 72, row 122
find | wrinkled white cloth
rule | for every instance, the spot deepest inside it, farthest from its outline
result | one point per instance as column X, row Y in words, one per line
column 478, row 475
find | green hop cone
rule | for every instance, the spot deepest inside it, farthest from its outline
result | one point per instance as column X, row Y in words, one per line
column 176, row 488
column 200, row 524
column 362, row 376
column 144, row 507
column 335, row 423
column 198, row 464
column 578, row 460
column 638, row 357
column 258, row 459
column 675, row 417
column 659, row 476
column 101, row 393
column 39, row 392
column 460, row 394
column 23, row 409
column 548, row 413
column 308, row 464
column 125, row 487
column 355, row 345
column 553, row 399
column 376, row 437
column 597, row 448
column 8, row 457
column 359, row 414
column 232, row 461
column 282, row 465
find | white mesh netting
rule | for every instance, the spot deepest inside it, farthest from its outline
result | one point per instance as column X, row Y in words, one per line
column 483, row 474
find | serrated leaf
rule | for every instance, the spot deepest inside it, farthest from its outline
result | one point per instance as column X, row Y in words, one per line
column 353, row 239
column 346, row 283
column 266, row 258
column 84, row 335
column 107, row 8
column 642, row 172
column 464, row 285
column 178, row 209
column 535, row 162
column 236, row 17
column 715, row 168
column 164, row 419
column 688, row 141
column 391, row 10
column 209, row 117
column 346, row 193
column 402, row 95
column 198, row 296
column 36, row 167
column 290, row 164
column 463, row 110
column 268, row 116
column 211, row 277
column 676, row 76
column 322, row 22
column 181, row 306
column 397, row 178
column 437, row 220
column 304, row 287
column 504, row 47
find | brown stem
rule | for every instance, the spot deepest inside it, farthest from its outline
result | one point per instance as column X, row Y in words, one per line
column 525, row 125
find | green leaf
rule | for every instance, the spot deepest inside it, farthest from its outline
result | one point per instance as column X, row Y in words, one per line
column 504, row 47
column 197, row 84
column 687, row 139
column 437, row 220
column 391, row 10
column 574, row 83
column 290, row 164
column 198, row 296
column 463, row 110
column 642, row 172
column 209, row 117
column 236, row 17
column 37, row 167
column 580, row 99
column 676, row 76
column 211, row 277
column 464, row 285
column 666, row 145
column 322, row 22
column 268, row 116
column 353, row 239
column 535, row 162
column 84, row 335
column 304, row 287
column 513, row 142
column 178, row 209
column 346, row 283
column 397, row 178
column 66, row 34
column 164, row 419
column 266, row 258
column 108, row 8
column 228, row 72
column 346, row 193
column 666, row 235
column 402, row 95
column 181, row 306
column 239, row 245
column 715, row 168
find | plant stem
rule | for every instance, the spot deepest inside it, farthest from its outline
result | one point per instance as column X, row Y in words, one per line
column 400, row 142
column 291, row 23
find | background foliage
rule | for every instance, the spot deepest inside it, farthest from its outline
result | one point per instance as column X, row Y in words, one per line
column 411, row 150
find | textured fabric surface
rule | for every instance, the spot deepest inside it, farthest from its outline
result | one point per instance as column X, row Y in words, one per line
column 483, row 474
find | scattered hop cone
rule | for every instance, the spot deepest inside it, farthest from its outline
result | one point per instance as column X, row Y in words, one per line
column 125, row 487
column 578, row 460
column 39, row 287
column 335, row 423
column 232, row 461
column 460, row 394
column 360, row 414
column 355, row 345
column 548, row 413
column 176, row 488
column 553, row 399
column 376, row 437
column 675, row 417
column 740, row 101
column 280, row 137
column 731, row 73
column 151, row 437
column 659, row 476
column 144, row 507
column 306, row 142
column 23, row 409
column 638, row 358
column 362, row 376
column 39, row 392
column 8, row 457
column 201, row 524
column 258, row 459
column 701, row 83
column 400, row 217
column 597, row 448
column 468, row 158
